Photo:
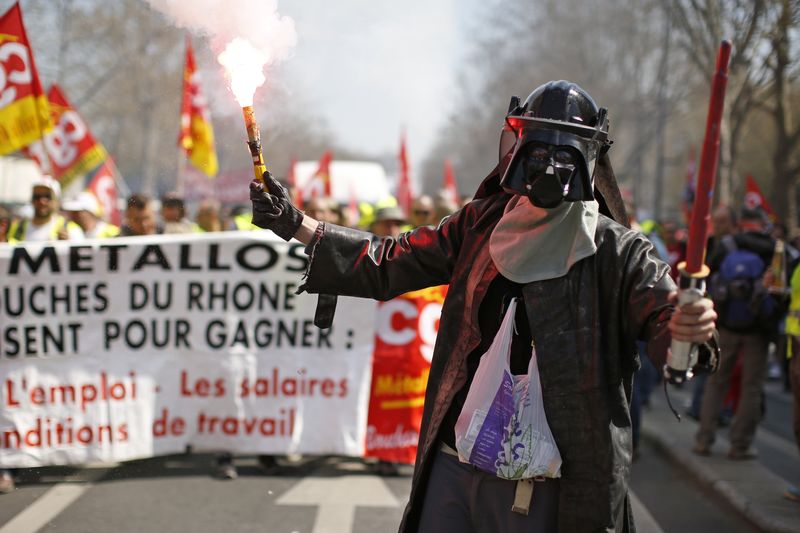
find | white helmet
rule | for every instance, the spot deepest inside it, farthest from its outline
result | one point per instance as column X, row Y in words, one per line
column 48, row 181
column 85, row 201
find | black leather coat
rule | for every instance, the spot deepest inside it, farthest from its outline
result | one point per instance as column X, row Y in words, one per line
column 584, row 324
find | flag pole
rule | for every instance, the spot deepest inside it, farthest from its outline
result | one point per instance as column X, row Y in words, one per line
column 179, row 177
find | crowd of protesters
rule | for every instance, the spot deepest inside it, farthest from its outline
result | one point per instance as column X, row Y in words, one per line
column 50, row 217
column 751, row 353
column 758, row 342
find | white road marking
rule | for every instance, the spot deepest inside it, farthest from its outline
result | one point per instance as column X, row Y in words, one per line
column 645, row 523
column 337, row 499
column 44, row 509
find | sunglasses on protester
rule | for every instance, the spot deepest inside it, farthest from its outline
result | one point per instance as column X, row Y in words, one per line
column 42, row 196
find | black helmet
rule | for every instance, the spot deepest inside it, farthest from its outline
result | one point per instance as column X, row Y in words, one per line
column 551, row 140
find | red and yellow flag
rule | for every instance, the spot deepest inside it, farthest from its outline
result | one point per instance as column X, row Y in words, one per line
column 197, row 136
column 70, row 149
column 24, row 115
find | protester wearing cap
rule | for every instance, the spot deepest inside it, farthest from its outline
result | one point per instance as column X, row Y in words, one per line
column 87, row 212
column 45, row 224
column 389, row 222
column 422, row 212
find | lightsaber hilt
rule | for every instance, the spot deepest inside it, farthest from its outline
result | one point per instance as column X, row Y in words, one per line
column 254, row 142
column 682, row 355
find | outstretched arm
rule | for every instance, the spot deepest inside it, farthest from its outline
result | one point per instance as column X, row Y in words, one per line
column 356, row 263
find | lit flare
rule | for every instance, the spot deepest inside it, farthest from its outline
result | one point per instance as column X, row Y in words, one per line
column 244, row 68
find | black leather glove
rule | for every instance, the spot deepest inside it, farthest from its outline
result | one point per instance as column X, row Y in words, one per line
column 273, row 208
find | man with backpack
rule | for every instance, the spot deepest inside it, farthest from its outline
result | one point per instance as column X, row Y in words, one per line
column 748, row 314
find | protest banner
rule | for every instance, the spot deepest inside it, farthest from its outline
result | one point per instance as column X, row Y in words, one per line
column 405, row 333
column 112, row 350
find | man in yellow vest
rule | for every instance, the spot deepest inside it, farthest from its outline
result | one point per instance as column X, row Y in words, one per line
column 793, row 353
column 46, row 224
column 87, row 212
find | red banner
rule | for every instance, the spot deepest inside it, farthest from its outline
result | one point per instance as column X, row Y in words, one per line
column 405, row 334
column 104, row 187
column 24, row 115
column 70, row 147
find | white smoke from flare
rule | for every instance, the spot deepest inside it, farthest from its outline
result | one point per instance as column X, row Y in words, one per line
column 244, row 66
column 264, row 36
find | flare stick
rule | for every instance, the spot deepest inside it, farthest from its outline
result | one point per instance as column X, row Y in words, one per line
column 682, row 356
column 254, row 142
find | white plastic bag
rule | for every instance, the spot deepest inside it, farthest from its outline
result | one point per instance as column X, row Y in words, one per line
column 502, row 428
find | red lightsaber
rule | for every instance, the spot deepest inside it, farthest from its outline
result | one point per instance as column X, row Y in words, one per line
column 682, row 356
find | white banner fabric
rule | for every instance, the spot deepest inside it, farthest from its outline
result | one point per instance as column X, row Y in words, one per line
column 120, row 349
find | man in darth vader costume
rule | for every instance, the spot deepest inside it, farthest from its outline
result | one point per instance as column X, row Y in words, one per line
column 547, row 226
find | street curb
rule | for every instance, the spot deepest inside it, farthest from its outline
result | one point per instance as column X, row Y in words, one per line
column 675, row 451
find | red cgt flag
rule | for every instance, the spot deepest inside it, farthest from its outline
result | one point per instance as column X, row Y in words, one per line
column 449, row 187
column 320, row 183
column 196, row 136
column 104, row 186
column 70, row 149
column 754, row 199
column 404, row 192
column 24, row 113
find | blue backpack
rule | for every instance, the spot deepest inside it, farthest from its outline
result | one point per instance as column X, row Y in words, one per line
column 741, row 300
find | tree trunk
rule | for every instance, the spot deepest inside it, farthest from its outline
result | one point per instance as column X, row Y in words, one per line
column 784, row 143
column 724, row 170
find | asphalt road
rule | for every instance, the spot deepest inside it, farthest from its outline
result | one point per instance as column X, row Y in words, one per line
column 312, row 495
column 330, row 494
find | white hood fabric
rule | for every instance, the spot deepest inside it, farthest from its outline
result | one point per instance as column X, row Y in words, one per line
column 531, row 243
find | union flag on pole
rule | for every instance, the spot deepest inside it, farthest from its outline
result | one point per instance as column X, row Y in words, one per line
column 104, row 186
column 196, row 136
column 70, row 150
column 449, row 187
column 320, row 183
column 404, row 193
column 24, row 114
column 754, row 199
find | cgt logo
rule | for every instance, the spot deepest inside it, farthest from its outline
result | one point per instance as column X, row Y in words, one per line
column 106, row 192
column 62, row 143
column 15, row 63
column 401, row 321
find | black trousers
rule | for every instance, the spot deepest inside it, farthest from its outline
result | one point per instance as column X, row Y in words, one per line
column 462, row 499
